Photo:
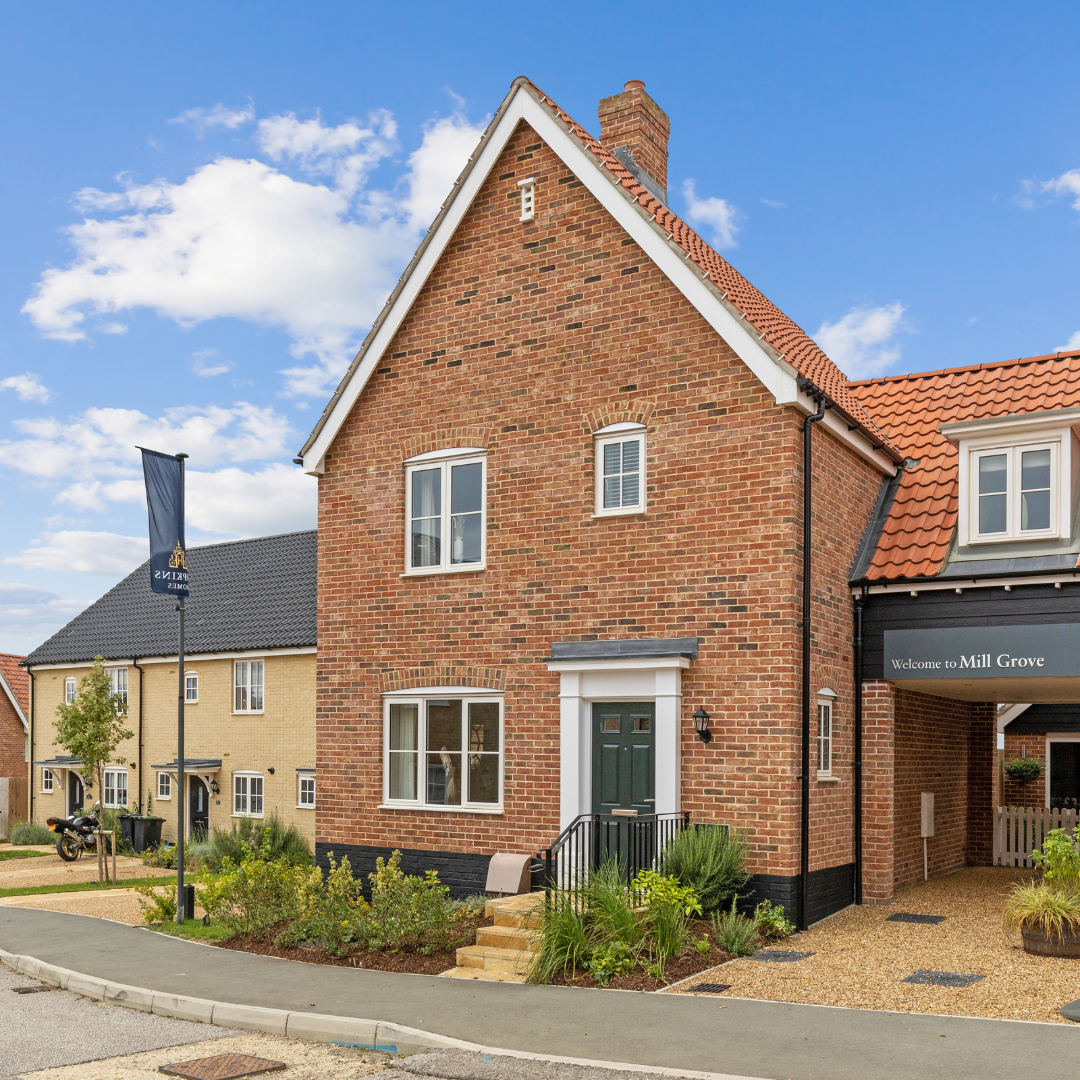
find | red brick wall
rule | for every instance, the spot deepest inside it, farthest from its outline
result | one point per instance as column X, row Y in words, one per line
column 12, row 740
column 1033, row 794
column 589, row 329
column 879, row 781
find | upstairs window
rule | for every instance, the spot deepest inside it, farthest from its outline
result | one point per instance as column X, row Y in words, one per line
column 620, row 469
column 1014, row 492
column 119, row 680
column 71, row 689
column 446, row 502
column 248, row 686
column 191, row 687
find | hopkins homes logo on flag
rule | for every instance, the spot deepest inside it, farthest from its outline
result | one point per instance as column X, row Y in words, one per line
column 164, row 474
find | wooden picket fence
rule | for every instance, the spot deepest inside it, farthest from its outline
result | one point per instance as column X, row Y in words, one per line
column 1018, row 829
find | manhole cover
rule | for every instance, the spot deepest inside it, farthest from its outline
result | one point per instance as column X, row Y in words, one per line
column 32, row 989
column 710, row 988
column 779, row 956
column 221, row 1067
column 910, row 916
column 943, row 978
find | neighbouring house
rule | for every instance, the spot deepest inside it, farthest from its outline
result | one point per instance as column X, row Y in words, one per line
column 561, row 495
column 14, row 740
column 249, row 690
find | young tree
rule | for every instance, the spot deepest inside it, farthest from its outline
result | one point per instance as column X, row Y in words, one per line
column 92, row 726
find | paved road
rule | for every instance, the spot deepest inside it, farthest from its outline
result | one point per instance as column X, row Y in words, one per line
column 751, row 1038
column 43, row 1031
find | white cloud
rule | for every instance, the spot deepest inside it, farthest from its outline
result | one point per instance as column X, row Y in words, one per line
column 275, row 499
column 29, row 615
column 84, row 552
column 773, row 202
column 202, row 120
column 862, row 343
column 1071, row 345
column 719, row 213
column 243, row 239
column 209, row 362
column 28, row 386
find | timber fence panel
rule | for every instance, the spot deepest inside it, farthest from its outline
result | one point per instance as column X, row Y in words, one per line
column 1018, row 830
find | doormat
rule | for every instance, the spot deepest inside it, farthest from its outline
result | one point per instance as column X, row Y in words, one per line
column 709, row 988
column 33, row 989
column 779, row 956
column 943, row 978
column 910, row 916
column 221, row 1067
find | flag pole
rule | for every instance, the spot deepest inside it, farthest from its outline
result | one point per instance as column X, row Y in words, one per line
column 181, row 906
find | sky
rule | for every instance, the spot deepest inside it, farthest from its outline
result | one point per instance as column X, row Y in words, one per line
column 204, row 206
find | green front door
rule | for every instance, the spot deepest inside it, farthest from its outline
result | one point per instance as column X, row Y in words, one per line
column 624, row 734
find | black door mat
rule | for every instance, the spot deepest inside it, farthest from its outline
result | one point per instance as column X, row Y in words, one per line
column 709, row 988
column 33, row 989
column 943, row 978
column 1071, row 1011
column 778, row 956
column 910, row 916
column 221, row 1067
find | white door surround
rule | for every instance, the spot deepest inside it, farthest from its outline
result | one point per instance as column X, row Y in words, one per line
column 584, row 681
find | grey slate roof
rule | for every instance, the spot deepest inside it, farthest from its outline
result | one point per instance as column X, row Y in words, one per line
column 246, row 594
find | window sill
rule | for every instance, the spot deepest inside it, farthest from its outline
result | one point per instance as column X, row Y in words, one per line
column 441, row 809
column 305, row 807
column 248, row 712
column 1017, row 538
column 435, row 572
column 629, row 512
column 255, row 816
column 827, row 778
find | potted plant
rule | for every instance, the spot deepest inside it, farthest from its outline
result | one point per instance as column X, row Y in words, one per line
column 1023, row 770
column 1047, row 911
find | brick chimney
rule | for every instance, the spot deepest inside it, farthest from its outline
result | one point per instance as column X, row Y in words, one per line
column 636, row 129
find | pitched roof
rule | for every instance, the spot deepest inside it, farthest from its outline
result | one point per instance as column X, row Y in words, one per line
column 786, row 342
column 246, row 594
column 918, row 530
column 14, row 681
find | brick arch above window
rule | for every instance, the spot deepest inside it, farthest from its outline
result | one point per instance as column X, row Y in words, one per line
column 618, row 412
column 445, row 438
column 487, row 678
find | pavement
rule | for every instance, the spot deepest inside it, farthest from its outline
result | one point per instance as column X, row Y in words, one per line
column 762, row 1039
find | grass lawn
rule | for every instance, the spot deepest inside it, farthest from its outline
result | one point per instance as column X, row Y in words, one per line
column 17, row 853
column 192, row 929
column 90, row 886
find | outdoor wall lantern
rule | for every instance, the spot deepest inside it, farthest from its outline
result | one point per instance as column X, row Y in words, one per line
column 701, row 724
column 214, row 787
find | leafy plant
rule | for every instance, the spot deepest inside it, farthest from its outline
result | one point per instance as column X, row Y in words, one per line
column 655, row 970
column 26, row 832
column 735, row 933
column 611, row 909
column 156, row 903
column 1023, row 770
column 328, row 909
column 278, row 840
column 1059, row 859
column 561, row 945
column 1043, row 909
column 668, row 907
column 610, row 959
column 702, row 945
column 772, row 923
column 711, row 859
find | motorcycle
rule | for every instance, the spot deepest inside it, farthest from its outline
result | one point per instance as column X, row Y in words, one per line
column 77, row 835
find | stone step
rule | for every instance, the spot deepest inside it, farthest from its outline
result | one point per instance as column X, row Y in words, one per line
column 489, row 958
column 507, row 937
column 481, row 974
column 515, row 910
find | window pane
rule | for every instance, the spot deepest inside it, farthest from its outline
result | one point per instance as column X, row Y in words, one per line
column 992, row 474
column 427, row 493
column 1035, row 510
column 444, row 752
column 484, row 778
column 426, row 536
column 465, row 533
column 404, row 720
column 444, row 778
column 444, row 725
column 1034, row 469
column 630, row 488
column 121, row 789
column 483, row 727
column 612, row 459
column 240, row 703
column 256, row 684
column 992, row 512
column 256, row 794
column 465, row 488
column 630, row 454
column 612, row 492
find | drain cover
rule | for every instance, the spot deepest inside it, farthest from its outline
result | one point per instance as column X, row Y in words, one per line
column 221, row 1067
column 32, row 989
column 710, row 988
column 778, row 956
column 910, row 916
column 943, row 978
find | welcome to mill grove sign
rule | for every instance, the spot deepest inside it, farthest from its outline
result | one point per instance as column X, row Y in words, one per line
column 989, row 652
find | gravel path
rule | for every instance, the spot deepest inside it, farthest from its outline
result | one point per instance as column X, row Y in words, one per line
column 860, row 959
column 52, row 870
column 120, row 906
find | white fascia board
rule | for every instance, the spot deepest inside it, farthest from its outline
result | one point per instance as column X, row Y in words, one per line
column 645, row 663
column 80, row 664
column 855, row 440
column 14, row 702
column 1064, row 577
column 1009, row 714
column 1014, row 423
column 188, row 658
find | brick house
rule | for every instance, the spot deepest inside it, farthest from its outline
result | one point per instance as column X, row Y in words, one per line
column 561, row 509
column 249, row 711
column 14, row 739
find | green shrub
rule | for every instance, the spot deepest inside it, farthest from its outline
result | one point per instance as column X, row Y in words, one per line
column 157, row 904
column 611, row 958
column 561, row 946
column 279, row 840
column 735, row 933
column 1059, row 859
column 328, row 909
column 668, row 906
column 772, row 923
column 26, row 832
column 610, row 907
column 1040, row 908
column 709, row 859
column 1023, row 770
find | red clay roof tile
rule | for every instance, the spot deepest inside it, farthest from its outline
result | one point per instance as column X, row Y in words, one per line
column 16, row 678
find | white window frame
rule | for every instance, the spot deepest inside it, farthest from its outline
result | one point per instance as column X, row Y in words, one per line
column 445, row 460
column 243, row 778
column 1057, row 738
column 164, row 778
column 71, row 689
column 619, row 433
column 826, row 711
column 118, row 678
column 1013, row 493
column 191, row 681
column 246, row 686
column 48, row 782
column 528, row 198
column 301, row 804
column 420, row 697
column 114, row 772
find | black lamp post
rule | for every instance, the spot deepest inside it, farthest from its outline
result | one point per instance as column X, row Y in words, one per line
column 701, row 725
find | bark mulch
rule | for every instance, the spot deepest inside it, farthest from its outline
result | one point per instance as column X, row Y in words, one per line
column 860, row 960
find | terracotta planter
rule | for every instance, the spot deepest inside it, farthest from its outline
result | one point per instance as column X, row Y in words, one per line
column 1068, row 945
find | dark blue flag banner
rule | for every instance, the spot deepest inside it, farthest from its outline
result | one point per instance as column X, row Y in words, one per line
column 164, row 474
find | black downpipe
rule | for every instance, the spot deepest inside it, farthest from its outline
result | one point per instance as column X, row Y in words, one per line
column 857, row 763
column 30, row 776
column 138, row 738
column 804, row 876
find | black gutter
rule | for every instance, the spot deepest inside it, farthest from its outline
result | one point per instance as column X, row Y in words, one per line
column 857, row 656
column 804, row 871
column 138, row 740
column 30, row 776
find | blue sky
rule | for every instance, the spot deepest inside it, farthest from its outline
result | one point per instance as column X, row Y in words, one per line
column 204, row 205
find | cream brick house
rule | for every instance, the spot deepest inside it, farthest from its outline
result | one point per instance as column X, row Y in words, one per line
column 249, row 690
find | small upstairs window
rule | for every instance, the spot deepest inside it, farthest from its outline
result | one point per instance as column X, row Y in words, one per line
column 71, row 689
column 620, row 469
column 248, row 686
column 528, row 198
column 119, row 678
column 191, row 687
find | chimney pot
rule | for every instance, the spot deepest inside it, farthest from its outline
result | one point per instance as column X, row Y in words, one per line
column 636, row 129
column 634, row 84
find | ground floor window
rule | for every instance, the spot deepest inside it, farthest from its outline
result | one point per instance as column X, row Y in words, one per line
column 824, row 732
column 47, row 781
column 248, row 794
column 444, row 751
column 307, row 791
column 164, row 785
column 116, row 788
column 1064, row 779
